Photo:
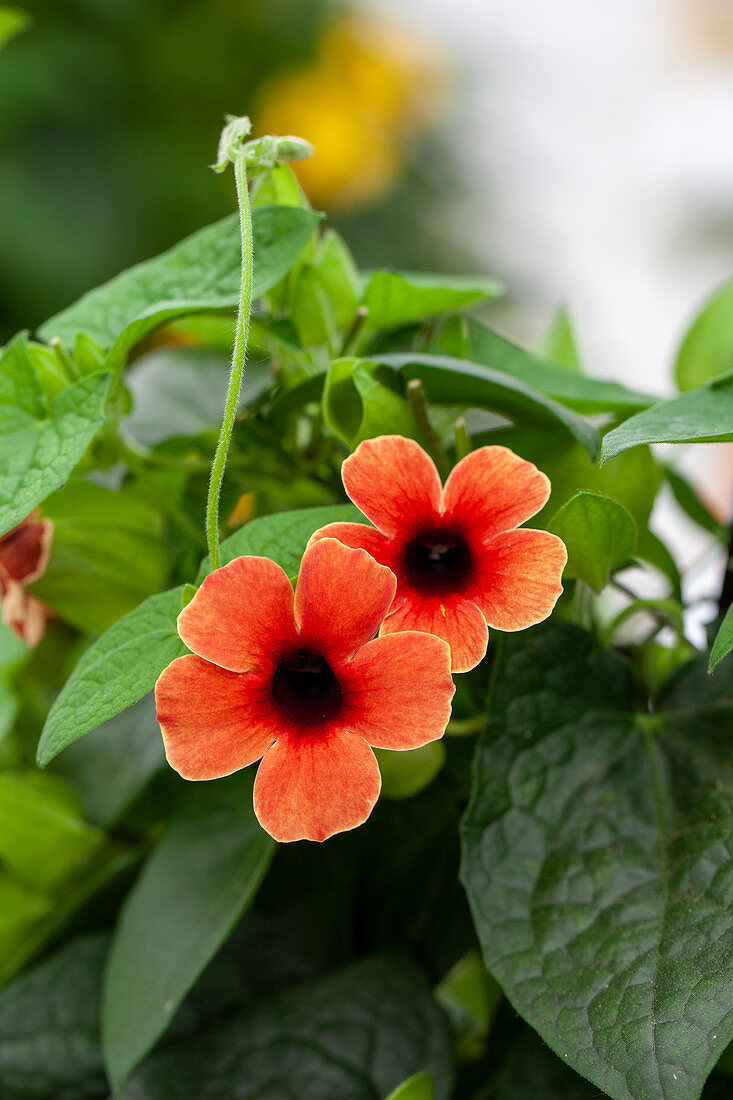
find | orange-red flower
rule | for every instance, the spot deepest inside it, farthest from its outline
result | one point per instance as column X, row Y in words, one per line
column 301, row 681
column 460, row 562
column 24, row 552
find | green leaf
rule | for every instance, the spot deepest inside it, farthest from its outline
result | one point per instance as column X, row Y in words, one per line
column 43, row 834
column 654, row 552
column 282, row 536
column 533, row 1072
column 340, row 276
column 459, row 382
column 108, row 555
column 596, row 856
column 358, row 1033
column 49, row 1029
column 691, row 505
column 117, row 670
column 360, row 401
column 600, row 536
column 575, row 390
column 201, row 273
column 702, row 416
column 707, row 349
column 39, row 447
column 405, row 774
column 12, row 22
column 110, row 770
column 397, row 298
column 723, row 641
column 181, row 392
column 418, row 1087
column 198, row 881
column 559, row 345
column 312, row 311
column 470, row 997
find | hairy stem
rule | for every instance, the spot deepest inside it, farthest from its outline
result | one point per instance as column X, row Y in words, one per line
column 238, row 359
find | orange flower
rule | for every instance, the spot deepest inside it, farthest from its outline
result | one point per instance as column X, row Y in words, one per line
column 298, row 681
column 460, row 563
column 24, row 552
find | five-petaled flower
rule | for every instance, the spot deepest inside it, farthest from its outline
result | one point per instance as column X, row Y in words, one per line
column 460, row 562
column 301, row 681
column 24, row 552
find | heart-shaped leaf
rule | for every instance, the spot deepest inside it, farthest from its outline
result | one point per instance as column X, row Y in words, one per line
column 597, row 862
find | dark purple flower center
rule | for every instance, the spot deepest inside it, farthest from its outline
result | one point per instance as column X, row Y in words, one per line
column 305, row 688
column 437, row 562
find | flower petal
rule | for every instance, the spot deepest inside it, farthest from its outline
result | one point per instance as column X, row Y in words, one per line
column 393, row 481
column 213, row 721
column 493, row 490
column 24, row 550
column 359, row 537
column 308, row 788
column 341, row 597
column 241, row 615
column 22, row 612
column 399, row 690
column 458, row 621
column 519, row 573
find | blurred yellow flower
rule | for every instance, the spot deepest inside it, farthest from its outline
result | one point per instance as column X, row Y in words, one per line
column 367, row 88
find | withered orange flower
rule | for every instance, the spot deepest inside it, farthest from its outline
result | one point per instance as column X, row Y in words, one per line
column 460, row 562
column 301, row 682
column 24, row 553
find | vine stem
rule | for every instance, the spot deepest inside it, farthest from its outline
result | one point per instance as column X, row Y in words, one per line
column 239, row 355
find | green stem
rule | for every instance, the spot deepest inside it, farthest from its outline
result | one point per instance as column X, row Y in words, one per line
column 428, row 435
column 238, row 359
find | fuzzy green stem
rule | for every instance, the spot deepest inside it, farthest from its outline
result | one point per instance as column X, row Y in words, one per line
column 428, row 435
column 238, row 359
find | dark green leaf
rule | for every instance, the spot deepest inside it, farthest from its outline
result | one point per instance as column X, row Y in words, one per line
column 597, row 862
column 355, row 1035
column 600, row 536
column 533, row 1072
column 396, row 298
column 201, row 273
column 707, row 349
column 181, row 392
column 112, row 768
column 49, row 1027
column 117, row 670
column 282, row 536
column 702, row 416
column 723, row 641
column 194, row 888
column 39, row 448
column 574, row 390
column 459, row 382
column 108, row 555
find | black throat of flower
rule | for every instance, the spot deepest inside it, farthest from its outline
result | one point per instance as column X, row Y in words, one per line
column 305, row 688
column 437, row 562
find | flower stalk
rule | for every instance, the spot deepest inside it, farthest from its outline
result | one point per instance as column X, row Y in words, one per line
column 248, row 158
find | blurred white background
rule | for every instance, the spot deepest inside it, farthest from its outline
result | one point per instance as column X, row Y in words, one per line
column 596, row 142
